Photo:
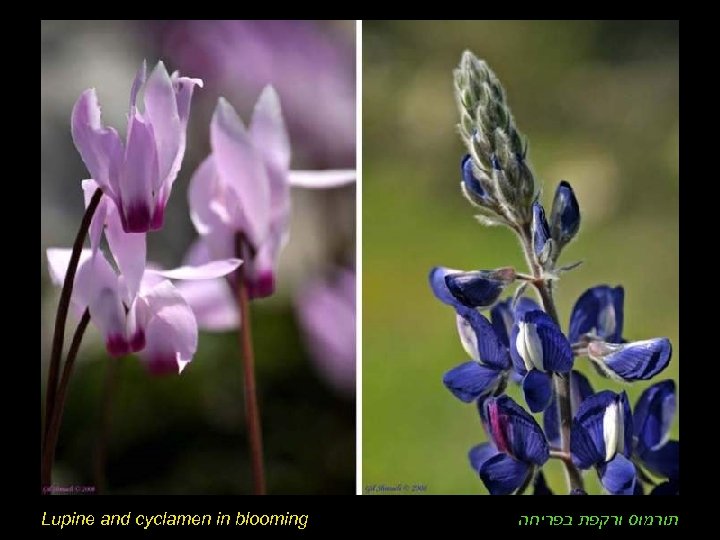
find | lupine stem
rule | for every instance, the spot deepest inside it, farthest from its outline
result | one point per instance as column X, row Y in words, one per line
column 62, row 311
column 561, row 383
column 48, row 455
column 252, row 410
column 108, row 397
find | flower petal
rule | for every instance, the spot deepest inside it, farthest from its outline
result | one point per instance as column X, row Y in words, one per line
column 525, row 304
column 618, row 476
column 502, row 475
column 129, row 251
column 161, row 111
column 268, row 132
column 536, row 341
column 324, row 179
column 479, row 288
column 480, row 339
column 97, row 224
column 241, row 170
column 501, row 315
column 137, row 84
column 537, row 387
column 515, row 431
column 210, row 270
column 479, row 454
column 565, row 215
column 139, row 176
column 470, row 380
column 212, row 302
column 203, row 190
column 587, row 441
column 438, row 285
column 541, row 231
column 184, row 88
column 653, row 416
column 639, row 360
column 665, row 461
column 171, row 333
column 599, row 311
column 100, row 147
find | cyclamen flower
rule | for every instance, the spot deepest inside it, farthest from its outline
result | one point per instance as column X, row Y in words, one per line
column 487, row 372
column 538, row 348
column 326, row 310
column 602, row 436
column 479, row 288
column 517, row 448
column 653, row 416
column 138, row 176
column 136, row 308
column 243, row 187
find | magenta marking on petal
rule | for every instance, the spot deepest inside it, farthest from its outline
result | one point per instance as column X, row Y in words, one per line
column 498, row 425
column 137, row 341
column 158, row 217
column 162, row 364
column 117, row 345
column 263, row 286
column 137, row 218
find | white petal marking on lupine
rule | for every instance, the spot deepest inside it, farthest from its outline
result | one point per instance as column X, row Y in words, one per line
column 606, row 319
column 529, row 346
column 468, row 338
column 613, row 430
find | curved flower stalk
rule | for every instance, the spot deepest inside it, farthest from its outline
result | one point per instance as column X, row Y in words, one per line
column 243, row 187
column 586, row 429
column 138, row 176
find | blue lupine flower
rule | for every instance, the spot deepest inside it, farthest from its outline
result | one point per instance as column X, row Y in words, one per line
column 518, row 446
column 601, row 437
column 598, row 311
column 580, row 390
column 565, row 216
column 540, row 229
column 479, row 288
column 472, row 184
column 487, row 371
column 503, row 315
column 636, row 361
column 538, row 348
column 653, row 416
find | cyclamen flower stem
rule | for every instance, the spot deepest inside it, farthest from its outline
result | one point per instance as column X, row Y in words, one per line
column 62, row 311
column 55, row 421
column 561, row 384
column 252, row 410
column 108, row 397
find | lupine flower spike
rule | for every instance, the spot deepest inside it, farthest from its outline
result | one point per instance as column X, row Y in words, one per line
column 522, row 341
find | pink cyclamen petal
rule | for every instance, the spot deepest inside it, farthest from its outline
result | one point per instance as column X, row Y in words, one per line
column 327, row 316
column 241, row 170
column 322, row 179
column 100, row 148
column 209, row 270
column 140, row 169
column 212, row 303
column 268, row 131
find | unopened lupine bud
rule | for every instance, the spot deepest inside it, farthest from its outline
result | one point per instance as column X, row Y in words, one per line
column 565, row 217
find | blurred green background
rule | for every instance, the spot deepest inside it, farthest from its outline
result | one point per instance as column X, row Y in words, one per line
column 598, row 103
column 186, row 434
